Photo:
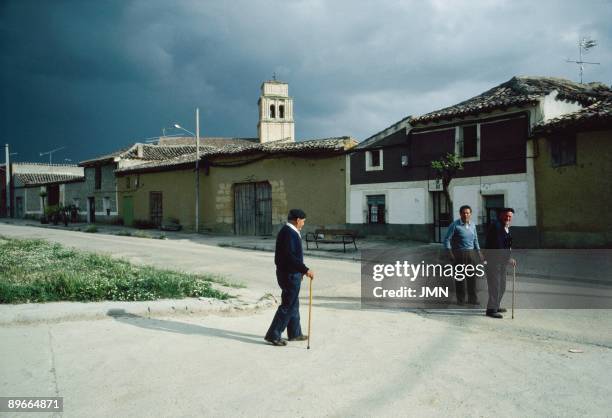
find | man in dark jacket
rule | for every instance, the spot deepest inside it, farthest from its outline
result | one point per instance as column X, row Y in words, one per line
column 290, row 269
column 499, row 246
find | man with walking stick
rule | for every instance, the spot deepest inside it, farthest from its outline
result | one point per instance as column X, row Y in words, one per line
column 290, row 268
column 499, row 242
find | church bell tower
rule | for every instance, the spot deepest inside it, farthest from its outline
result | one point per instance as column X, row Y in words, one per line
column 275, row 113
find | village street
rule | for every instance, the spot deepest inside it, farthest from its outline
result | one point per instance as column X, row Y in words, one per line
column 361, row 362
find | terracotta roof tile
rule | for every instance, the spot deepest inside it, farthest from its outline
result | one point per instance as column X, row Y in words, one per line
column 519, row 91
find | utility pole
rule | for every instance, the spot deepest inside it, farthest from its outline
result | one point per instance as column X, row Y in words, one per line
column 197, row 205
column 7, row 175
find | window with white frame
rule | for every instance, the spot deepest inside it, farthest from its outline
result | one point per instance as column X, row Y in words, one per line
column 374, row 160
column 467, row 141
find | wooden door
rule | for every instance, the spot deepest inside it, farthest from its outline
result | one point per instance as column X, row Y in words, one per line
column 252, row 208
column 156, row 208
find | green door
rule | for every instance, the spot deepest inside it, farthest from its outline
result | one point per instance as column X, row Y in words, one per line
column 128, row 210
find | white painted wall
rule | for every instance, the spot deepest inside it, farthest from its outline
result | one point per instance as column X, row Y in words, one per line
column 407, row 206
column 410, row 202
column 553, row 107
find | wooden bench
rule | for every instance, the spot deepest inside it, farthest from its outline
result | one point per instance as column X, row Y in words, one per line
column 332, row 236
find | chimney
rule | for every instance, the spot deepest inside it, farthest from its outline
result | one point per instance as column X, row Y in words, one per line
column 139, row 151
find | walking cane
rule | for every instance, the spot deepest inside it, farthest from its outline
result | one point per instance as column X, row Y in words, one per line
column 309, row 311
column 513, row 287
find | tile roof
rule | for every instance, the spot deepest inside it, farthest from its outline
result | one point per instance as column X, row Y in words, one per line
column 336, row 145
column 168, row 149
column 520, row 90
column 34, row 179
column 598, row 115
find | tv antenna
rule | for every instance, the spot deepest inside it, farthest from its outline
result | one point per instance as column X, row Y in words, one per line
column 50, row 153
column 584, row 46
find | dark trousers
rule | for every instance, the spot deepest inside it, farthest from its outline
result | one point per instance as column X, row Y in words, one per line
column 288, row 313
column 496, row 281
column 465, row 257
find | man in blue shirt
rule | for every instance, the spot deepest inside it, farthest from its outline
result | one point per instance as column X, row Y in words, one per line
column 290, row 268
column 462, row 242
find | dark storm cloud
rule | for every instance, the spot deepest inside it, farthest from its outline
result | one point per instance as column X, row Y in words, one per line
column 97, row 75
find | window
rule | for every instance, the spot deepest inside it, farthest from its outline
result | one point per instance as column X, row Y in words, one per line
column 376, row 209
column 272, row 112
column 281, row 111
column 563, row 150
column 374, row 160
column 98, row 178
column 468, row 141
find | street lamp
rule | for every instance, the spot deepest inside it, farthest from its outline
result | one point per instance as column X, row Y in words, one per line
column 197, row 167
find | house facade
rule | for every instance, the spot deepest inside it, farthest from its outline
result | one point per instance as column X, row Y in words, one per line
column 245, row 188
column 394, row 189
column 102, row 187
column 36, row 186
column 574, row 178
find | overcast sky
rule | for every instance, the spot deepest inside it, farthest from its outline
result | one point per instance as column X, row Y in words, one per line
column 94, row 76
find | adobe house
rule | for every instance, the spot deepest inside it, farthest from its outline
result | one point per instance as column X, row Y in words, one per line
column 573, row 178
column 247, row 185
column 394, row 190
column 62, row 184
column 102, row 188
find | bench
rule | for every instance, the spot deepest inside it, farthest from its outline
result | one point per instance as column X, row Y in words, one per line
column 332, row 236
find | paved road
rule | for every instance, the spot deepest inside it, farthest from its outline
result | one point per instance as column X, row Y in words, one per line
column 362, row 362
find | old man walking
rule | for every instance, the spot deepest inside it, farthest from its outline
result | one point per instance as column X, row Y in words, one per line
column 290, row 268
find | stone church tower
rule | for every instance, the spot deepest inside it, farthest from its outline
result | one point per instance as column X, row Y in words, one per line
column 275, row 113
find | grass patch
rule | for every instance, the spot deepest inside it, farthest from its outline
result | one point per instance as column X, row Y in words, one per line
column 39, row 271
column 92, row 229
column 124, row 233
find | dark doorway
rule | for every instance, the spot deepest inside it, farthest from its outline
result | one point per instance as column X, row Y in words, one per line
column 441, row 215
column 91, row 210
column 156, row 208
column 253, row 208
column 493, row 203
column 53, row 195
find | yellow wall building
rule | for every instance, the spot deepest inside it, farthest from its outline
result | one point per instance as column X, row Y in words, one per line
column 573, row 174
column 245, row 189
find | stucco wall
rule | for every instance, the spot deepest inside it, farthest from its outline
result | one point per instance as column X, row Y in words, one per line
column 178, row 190
column 108, row 190
column 573, row 200
column 318, row 186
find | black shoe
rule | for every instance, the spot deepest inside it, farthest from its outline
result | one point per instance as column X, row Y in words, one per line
column 299, row 338
column 494, row 314
column 502, row 310
column 280, row 342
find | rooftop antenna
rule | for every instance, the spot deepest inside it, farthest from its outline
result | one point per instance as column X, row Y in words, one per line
column 274, row 76
column 50, row 153
column 584, row 46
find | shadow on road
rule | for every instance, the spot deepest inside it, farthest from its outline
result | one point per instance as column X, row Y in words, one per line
column 121, row 315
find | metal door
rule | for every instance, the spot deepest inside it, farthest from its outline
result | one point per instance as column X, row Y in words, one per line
column 156, row 208
column 253, row 208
